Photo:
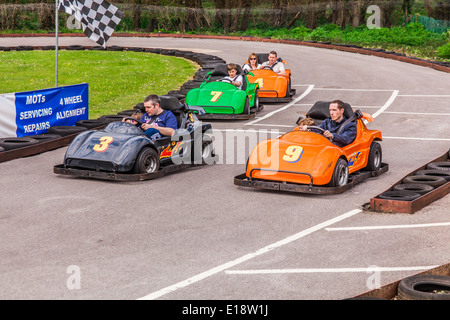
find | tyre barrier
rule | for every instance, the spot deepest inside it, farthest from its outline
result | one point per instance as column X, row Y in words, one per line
column 66, row 130
column 400, row 195
column 413, row 187
column 17, row 142
column 416, row 190
column 91, row 123
column 434, row 181
column 441, row 165
column 431, row 172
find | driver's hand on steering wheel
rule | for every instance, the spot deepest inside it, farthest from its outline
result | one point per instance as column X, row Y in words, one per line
column 303, row 128
column 328, row 134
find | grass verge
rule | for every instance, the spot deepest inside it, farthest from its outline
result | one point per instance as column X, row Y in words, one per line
column 117, row 79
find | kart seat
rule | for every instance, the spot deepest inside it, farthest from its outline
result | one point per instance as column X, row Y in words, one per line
column 173, row 104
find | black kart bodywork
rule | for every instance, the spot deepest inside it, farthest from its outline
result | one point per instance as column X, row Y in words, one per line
column 121, row 151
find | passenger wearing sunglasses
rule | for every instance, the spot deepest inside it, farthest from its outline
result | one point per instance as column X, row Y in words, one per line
column 252, row 63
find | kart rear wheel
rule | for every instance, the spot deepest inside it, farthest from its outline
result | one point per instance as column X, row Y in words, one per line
column 246, row 106
column 375, row 156
column 256, row 104
column 147, row 161
column 340, row 174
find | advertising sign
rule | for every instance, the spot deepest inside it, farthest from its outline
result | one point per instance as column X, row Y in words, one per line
column 34, row 112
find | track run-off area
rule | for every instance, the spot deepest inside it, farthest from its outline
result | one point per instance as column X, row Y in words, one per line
column 194, row 235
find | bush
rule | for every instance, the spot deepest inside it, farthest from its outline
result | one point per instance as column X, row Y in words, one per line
column 444, row 51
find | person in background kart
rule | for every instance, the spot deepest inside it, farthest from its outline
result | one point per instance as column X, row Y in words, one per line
column 277, row 66
column 157, row 122
column 234, row 78
column 252, row 63
column 339, row 137
column 136, row 115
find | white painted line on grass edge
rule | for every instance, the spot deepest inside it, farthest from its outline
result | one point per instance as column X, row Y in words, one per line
column 247, row 257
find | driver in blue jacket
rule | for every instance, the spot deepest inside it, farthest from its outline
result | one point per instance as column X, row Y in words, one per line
column 332, row 126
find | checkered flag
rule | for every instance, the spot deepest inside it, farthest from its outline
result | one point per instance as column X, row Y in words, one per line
column 98, row 18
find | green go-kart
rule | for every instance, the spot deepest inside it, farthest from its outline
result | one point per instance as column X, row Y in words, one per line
column 217, row 98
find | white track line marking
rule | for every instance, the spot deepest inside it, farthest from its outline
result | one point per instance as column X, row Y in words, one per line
column 345, row 89
column 304, row 94
column 247, row 257
column 418, row 113
column 387, row 104
column 412, row 138
column 404, row 226
column 425, row 95
column 329, row 270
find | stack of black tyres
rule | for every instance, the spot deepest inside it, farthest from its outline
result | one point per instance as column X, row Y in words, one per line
column 421, row 182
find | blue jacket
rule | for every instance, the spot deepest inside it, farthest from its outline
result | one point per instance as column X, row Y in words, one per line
column 343, row 138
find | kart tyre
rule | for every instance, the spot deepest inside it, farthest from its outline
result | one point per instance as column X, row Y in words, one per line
column 429, row 172
column 46, row 136
column 434, row 181
column 111, row 117
column 413, row 187
column 256, row 104
column 147, row 161
column 17, row 142
column 203, row 150
column 246, row 106
column 441, row 165
column 91, row 123
column 424, row 287
column 340, row 174
column 75, row 47
column 66, row 130
column 375, row 157
column 399, row 195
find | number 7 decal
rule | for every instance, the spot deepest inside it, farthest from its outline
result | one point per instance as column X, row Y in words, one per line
column 216, row 95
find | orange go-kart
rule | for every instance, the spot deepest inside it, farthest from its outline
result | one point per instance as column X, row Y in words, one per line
column 307, row 162
column 272, row 87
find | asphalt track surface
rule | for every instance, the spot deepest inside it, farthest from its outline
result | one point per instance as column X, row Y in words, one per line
column 195, row 235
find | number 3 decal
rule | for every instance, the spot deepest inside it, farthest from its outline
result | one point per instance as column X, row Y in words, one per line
column 293, row 154
column 104, row 144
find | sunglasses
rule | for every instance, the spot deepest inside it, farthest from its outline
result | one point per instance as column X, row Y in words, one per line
column 252, row 58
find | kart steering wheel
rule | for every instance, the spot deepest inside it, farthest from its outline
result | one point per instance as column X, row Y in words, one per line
column 322, row 130
column 267, row 68
column 225, row 80
column 138, row 123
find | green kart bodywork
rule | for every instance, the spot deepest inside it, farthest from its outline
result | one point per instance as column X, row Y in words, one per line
column 218, row 99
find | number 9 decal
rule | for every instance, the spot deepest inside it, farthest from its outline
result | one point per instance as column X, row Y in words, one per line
column 293, row 154
column 104, row 144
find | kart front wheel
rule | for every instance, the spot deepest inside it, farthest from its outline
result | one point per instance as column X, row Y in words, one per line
column 340, row 174
column 147, row 161
column 375, row 156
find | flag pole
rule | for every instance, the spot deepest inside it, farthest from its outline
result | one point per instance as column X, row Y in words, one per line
column 56, row 46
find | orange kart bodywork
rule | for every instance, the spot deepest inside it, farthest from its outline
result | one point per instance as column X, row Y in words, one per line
column 271, row 85
column 304, row 157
